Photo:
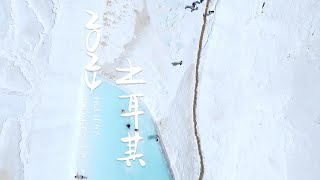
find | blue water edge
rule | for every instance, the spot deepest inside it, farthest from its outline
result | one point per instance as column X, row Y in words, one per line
column 104, row 129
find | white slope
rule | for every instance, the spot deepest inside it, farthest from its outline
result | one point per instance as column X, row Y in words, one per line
column 157, row 34
column 24, row 50
column 259, row 91
column 42, row 58
column 258, row 99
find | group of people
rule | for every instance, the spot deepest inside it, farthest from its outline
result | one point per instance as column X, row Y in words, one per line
column 156, row 137
column 128, row 126
column 194, row 7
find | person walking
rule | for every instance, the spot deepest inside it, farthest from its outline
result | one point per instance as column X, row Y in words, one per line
column 80, row 177
column 209, row 13
column 176, row 63
column 194, row 9
column 189, row 7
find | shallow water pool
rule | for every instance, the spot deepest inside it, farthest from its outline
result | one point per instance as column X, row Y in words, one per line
column 104, row 129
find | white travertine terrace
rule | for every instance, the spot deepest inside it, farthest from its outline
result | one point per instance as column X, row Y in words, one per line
column 258, row 104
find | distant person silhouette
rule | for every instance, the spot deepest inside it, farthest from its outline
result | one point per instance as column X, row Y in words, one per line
column 128, row 126
column 80, row 177
column 152, row 137
column 177, row 63
column 264, row 3
column 209, row 13
column 189, row 7
column 194, row 9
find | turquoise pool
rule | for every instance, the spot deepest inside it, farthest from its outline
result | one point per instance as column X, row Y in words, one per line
column 105, row 127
